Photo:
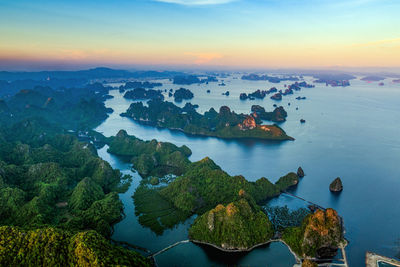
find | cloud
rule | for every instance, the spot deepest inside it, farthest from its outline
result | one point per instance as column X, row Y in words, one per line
column 73, row 54
column 201, row 58
column 378, row 43
column 351, row 3
column 196, row 2
column 78, row 54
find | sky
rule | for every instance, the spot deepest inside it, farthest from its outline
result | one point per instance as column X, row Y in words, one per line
column 203, row 33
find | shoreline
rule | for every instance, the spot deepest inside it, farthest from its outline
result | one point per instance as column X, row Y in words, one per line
column 141, row 122
column 373, row 259
column 297, row 258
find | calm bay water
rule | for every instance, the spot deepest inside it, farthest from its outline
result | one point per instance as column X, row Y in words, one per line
column 350, row 132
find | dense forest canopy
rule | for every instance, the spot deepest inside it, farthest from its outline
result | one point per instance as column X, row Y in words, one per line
column 54, row 186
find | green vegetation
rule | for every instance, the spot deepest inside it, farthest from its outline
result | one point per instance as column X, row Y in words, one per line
column 205, row 185
column 62, row 183
column 292, row 236
column 151, row 157
column 154, row 181
column 278, row 115
column 154, row 212
column 202, row 187
column 85, row 193
column 283, row 217
column 54, row 247
column 223, row 124
column 238, row 226
column 53, row 186
column 287, row 181
column 72, row 108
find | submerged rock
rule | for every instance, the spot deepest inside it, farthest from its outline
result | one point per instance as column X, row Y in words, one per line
column 336, row 185
column 300, row 172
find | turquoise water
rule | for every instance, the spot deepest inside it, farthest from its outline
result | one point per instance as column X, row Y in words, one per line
column 350, row 132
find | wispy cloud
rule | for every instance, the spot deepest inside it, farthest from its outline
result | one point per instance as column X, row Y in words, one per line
column 202, row 58
column 78, row 54
column 348, row 3
column 196, row 2
column 378, row 43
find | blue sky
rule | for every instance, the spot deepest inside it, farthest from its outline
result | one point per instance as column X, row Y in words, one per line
column 267, row 33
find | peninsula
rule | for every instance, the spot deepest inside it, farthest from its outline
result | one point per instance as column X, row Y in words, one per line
column 222, row 124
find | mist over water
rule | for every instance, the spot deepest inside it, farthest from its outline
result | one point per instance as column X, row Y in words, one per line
column 350, row 132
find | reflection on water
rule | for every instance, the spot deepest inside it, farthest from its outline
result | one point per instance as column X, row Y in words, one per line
column 274, row 254
column 350, row 132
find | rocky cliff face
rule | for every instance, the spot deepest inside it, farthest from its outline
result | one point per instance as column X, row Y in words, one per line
column 336, row 185
column 248, row 124
column 322, row 234
column 300, row 172
column 308, row 263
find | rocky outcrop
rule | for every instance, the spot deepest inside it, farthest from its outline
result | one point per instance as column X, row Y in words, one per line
column 322, row 234
column 141, row 93
column 277, row 96
column 222, row 124
column 278, row 115
column 248, row 124
column 319, row 235
column 226, row 93
column 182, row 93
column 336, row 185
column 300, row 172
column 308, row 263
column 289, row 180
column 272, row 90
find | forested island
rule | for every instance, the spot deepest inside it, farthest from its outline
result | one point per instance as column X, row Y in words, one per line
column 229, row 213
column 229, row 208
column 182, row 93
column 202, row 187
column 278, row 115
column 138, row 84
column 150, row 157
column 271, row 79
column 334, row 79
column 191, row 79
column 222, row 124
column 372, row 78
column 143, row 94
column 58, row 199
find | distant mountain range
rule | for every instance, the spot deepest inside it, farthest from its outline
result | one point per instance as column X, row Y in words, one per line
column 96, row 73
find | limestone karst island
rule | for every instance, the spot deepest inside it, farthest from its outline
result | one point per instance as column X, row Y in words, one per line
column 200, row 133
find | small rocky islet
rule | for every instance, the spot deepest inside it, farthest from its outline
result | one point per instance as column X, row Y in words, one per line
column 336, row 186
column 300, row 172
